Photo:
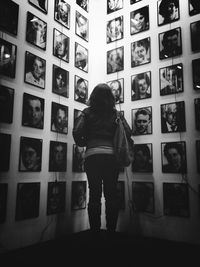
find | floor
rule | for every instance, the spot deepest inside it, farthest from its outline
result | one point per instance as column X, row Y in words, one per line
column 104, row 249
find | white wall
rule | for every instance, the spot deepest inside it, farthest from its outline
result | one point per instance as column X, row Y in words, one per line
column 22, row 233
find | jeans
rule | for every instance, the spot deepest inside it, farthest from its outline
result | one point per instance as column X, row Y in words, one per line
column 102, row 169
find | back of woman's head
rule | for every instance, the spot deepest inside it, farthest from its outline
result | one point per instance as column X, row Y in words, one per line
column 102, row 99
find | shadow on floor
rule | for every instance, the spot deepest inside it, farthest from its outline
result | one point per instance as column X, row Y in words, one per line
column 100, row 249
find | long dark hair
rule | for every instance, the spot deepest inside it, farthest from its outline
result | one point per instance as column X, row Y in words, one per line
column 102, row 99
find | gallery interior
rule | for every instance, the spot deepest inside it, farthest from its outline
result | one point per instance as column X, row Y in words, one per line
column 38, row 205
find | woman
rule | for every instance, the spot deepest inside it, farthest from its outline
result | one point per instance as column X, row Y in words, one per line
column 98, row 127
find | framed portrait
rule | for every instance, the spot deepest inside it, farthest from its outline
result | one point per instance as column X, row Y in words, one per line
column 8, row 58
column 121, row 194
column 141, row 52
column 6, row 104
column 194, row 7
column 168, row 11
column 117, row 87
column 114, row 5
column 81, row 57
column 60, row 83
column 78, row 158
column 78, row 195
column 59, row 118
column 134, row 1
column 3, row 201
column 60, row 45
column 56, row 197
column 115, row 29
column 198, row 155
column 139, row 20
column 9, row 14
column 143, row 196
column 35, row 70
column 62, row 13
column 36, row 31
column 171, row 79
column 174, row 157
column 141, row 120
column 82, row 26
column 115, row 60
column 33, row 111
column 195, row 36
column 143, row 158
column 77, row 113
column 197, row 113
column 57, row 156
column 30, row 157
column 196, row 73
column 5, row 146
column 170, row 43
column 141, row 86
column 173, row 117
column 84, row 4
column 28, row 201
column 176, row 199
column 41, row 5
column 80, row 89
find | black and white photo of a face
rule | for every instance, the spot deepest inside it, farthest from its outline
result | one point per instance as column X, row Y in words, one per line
column 81, row 57
column 140, row 52
column 84, row 4
column 62, row 13
column 60, row 45
column 115, row 60
column 42, row 5
column 82, row 26
column 115, row 29
column 114, row 5
column 168, row 11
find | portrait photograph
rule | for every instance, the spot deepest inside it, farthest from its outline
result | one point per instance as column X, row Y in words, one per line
column 82, row 26
column 60, row 83
column 139, row 20
column 33, row 111
column 28, row 201
column 5, row 147
column 114, row 5
column 115, row 60
column 3, row 201
column 143, row 196
column 78, row 158
column 143, row 158
column 41, row 5
column 30, row 158
column 81, row 57
column 174, row 157
column 170, row 43
column 36, row 31
column 171, row 79
column 121, row 194
column 141, row 86
column 194, row 7
column 196, row 73
column 84, row 4
column 8, row 52
column 176, row 199
column 80, row 89
column 56, row 195
column 195, row 36
column 59, row 118
column 168, row 11
column 117, row 87
column 60, row 45
column 77, row 113
column 134, row 1
column 78, row 195
column 62, row 13
column 173, row 117
column 35, row 70
column 141, row 52
column 115, row 29
column 9, row 14
column 6, row 104
column 57, row 156
column 198, row 155
column 197, row 113
column 141, row 121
